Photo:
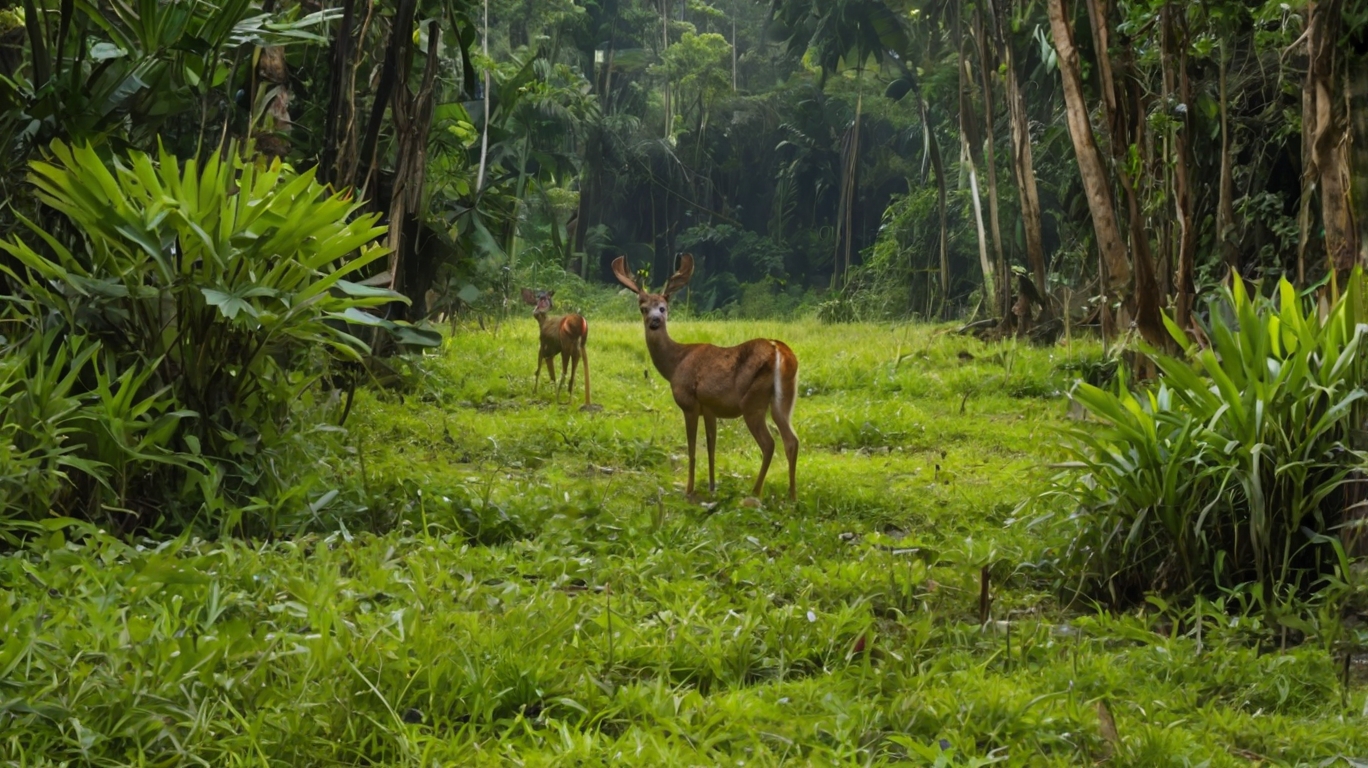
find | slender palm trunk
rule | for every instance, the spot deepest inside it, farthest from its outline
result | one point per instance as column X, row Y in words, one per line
column 484, row 138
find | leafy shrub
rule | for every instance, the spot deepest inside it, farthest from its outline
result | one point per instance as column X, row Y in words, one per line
column 198, row 308
column 1228, row 469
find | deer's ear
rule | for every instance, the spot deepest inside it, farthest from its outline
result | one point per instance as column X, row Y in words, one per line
column 620, row 272
column 681, row 277
column 528, row 297
column 550, row 294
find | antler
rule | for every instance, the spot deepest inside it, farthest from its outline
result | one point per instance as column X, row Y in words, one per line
column 620, row 272
column 681, row 277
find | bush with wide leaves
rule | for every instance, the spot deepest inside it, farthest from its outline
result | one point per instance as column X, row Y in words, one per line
column 1232, row 467
column 204, row 301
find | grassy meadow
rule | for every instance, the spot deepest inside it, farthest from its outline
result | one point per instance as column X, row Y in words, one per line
column 541, row 593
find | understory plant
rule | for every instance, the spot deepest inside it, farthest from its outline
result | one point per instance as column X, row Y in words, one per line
column 188, row 317
column 1233, row 466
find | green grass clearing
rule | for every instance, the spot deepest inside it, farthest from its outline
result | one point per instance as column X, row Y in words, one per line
column 547, row 596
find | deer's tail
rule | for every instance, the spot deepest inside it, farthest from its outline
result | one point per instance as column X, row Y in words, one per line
column 785, row 380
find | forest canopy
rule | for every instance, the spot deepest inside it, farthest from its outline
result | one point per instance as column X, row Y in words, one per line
column 1020, row 159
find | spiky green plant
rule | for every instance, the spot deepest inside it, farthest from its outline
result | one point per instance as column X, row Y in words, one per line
column 216, row 291
column 1229, row 468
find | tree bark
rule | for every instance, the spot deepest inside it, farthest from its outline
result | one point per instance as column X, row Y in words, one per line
column 1357, row 83
column 401, row 34
column 1003, row 297
column 989, row 286
column 1023, row 167
column 1329, row 163
column 967, row 131
column 1090, row 166
column 412, row 121
column 1225, row 208
column 484, row 130
column 1182, row 193
column 339, row 105
column 938, row 166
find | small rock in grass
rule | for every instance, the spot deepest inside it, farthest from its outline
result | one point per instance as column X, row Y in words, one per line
column 751, row 502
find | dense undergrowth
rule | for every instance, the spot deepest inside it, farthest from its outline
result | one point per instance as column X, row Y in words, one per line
column 1237, row 467
column 517, row 582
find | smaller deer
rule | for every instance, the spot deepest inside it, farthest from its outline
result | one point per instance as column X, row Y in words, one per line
column 721, row 382
column 564, row 336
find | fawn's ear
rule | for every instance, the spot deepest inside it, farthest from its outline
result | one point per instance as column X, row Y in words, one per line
column 681, row 277
column 550, row 294
column 620, row 272
column 529, row 297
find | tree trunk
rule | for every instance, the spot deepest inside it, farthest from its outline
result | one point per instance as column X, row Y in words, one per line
column 1003, row 297
column 1182, row 192
column 989, row 284
column 733, row 46
column 1357, row 83
column 938, row 165
column 401, row 34
column 967, row 131
column 1225, row 208
column 339, row 103
column 1023, row 167
column 1330, row 165
column 484, row 129
column 412, row 121
column 664, row 47
column 1090, row 167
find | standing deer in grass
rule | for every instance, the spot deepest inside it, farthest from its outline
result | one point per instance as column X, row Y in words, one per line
column 564, row 336
column 721, row 382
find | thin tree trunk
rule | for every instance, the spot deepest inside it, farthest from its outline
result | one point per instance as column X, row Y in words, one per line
column 989, row 287
column 733, row 45
column 1357, row 83
column 338, row 101
column 1003, row 297
column 1090, row 166
column 854, row 175
column 1225, row 208
column 412, row 122
column 938, row 165
column 1024, row 167
column 664, row 47
column 1187, row 233
column 933, row 156
column 484, row 134
column 1308, row 180
column 967, row 129
column 1327, row 151
column 401, row 33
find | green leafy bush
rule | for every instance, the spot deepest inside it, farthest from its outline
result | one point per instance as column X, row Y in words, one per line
column 1230, row 468
column 208, row 301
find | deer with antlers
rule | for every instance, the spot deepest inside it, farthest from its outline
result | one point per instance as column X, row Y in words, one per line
column 564, row 336
column 715, row 383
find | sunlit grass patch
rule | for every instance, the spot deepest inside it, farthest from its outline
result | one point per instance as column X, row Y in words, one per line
column 540, row 592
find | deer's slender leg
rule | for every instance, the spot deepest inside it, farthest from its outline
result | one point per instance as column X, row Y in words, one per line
column 536, row 382
column 710, row 426
column 585, row 355
column 782, row 418
column 758, row 428
column 574, row 363
column 691, row 432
